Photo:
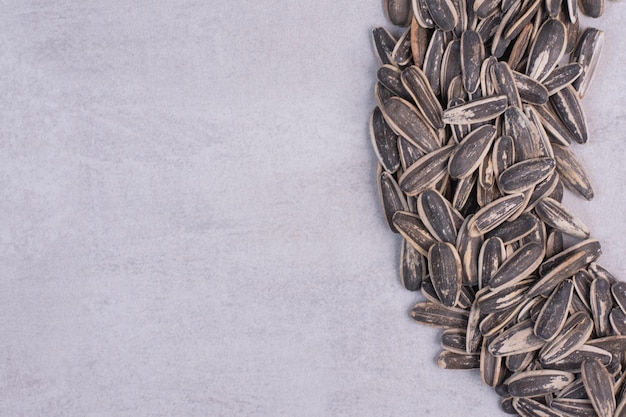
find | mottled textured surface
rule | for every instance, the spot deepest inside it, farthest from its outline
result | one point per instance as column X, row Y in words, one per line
column 189, row 223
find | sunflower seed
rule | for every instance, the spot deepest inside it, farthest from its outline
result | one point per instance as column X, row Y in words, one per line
column 517, row 125
column 617, row 318
column 561, row 77
column 475, row 111
column 444, row 266
column 547, row 49
column 573, row 361
column 592, row 8
column 451, row 360
column 472, row 333
column 600, row 300
column 436, row 215
column 525, row 174
column 534, row 383
column 517, row 339
column 391, row 197
column 530, row 90
column 572, row 173
column 530, row 408
column 389, row 76
column 556, row 215
column 426, row 172
column 552, row 317
column 436, row 315
column 399, row 12
column 575, row 390
column 616, row 345
column 599, row 386
column 518, row 266
column 471, row 151
column 469, row 248
column 453, row 340
column 384, row 141
column 503, row 299
column 576, row 331
column 587, row 54
column 503, row 154
column 618, row 289
column 490, row 257
column 568, row 266
column 472, row 55
column 433, row 59
column 402, row 53
column 413, row 230
column 443, row 13
column 542, row 190
column 406, row 120
column 450, row 69
column 491, row 370
column 591, row 249
column 417, row 85
column 504, row 83
column 492, row 323
column 567, row 106
column 519, row 362
column 419, row 42
column 384, row 43
column 409, row 154
column 573, row 407
column 421, row 14
column 496, row 213
column 553, row 125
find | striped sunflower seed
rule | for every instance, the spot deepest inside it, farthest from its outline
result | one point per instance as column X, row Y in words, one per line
column 525, row 174
column 587, row 54
column 540, row 382
column 384, row 43
column 567, row 106
column 516, row 339
column 576, row 331
column 436, row 215
column 547, row 49
column 436, row 315
column 556, row 215
column 412, row 267
column 491, row 256
column 416, row 84
column 530, row 90
column 471, row 152
column 555, row 310
column 405, row 119
column 451, row 360
column 599, row 386
column 389, row 76
column 384, row 141
column 472, row 56
column 413, row 230
column 399, row 12
column 426, row 172
column 475, row 111
column 518, row 266
column 419, row 42
column 600, row 300
column 496, row 213
column 444, row 266
column 391, row 196
column 453, row 340
column 561, row 77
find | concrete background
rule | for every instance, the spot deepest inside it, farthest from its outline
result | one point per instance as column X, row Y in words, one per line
column 189, row 223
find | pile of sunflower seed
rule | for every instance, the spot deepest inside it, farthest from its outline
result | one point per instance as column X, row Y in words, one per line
column 478, row 103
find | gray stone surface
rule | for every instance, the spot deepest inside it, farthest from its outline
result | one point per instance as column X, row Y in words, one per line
column 189, row 223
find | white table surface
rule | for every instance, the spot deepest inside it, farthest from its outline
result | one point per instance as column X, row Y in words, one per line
column 189, row 222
